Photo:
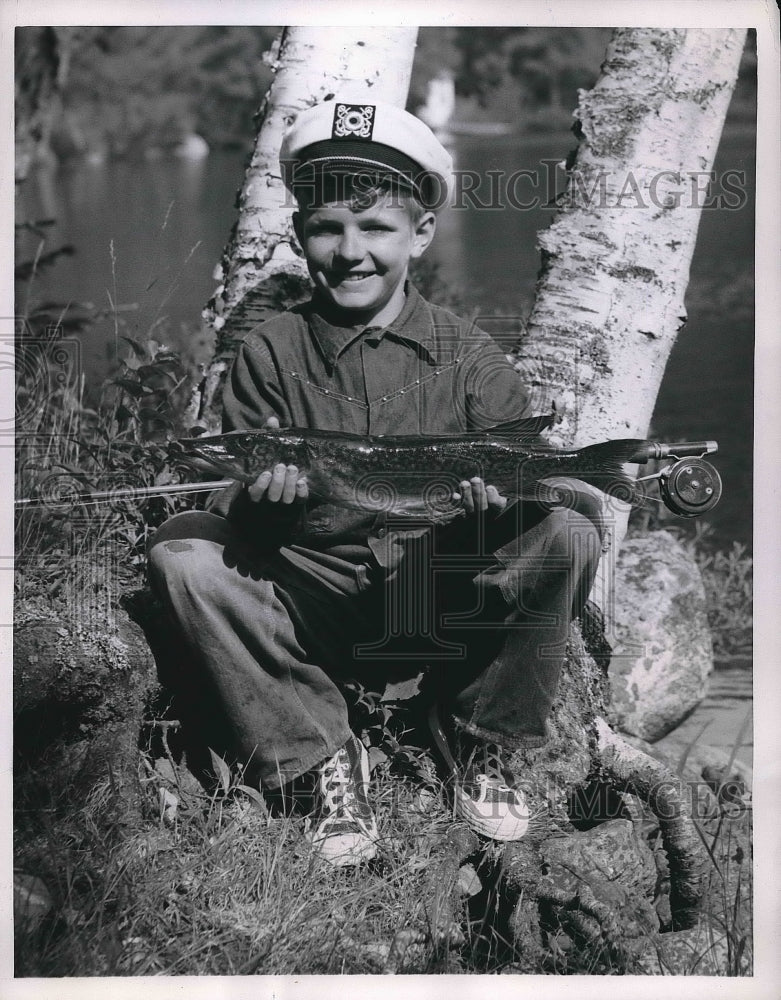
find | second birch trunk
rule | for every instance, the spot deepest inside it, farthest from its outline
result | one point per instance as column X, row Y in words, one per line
column 615, row 262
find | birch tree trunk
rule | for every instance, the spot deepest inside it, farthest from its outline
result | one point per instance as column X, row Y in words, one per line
column 615, row 262
column 261, row 270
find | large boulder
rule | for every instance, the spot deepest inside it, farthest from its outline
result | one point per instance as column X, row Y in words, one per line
column 662, row 651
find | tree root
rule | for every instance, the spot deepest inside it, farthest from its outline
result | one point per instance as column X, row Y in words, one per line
column 631, row 770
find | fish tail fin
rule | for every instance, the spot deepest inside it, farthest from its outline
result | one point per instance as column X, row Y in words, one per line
column 602, row 465
column 598, row 465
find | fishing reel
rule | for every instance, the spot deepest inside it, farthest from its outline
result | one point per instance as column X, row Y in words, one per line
column 691, row 486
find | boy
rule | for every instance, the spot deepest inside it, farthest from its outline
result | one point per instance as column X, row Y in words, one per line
column 278, row 597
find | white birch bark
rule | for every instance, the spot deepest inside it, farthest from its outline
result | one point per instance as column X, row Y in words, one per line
column 262, row 271
column 615, row 262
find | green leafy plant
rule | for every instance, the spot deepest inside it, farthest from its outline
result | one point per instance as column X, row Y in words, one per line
column 728, row 580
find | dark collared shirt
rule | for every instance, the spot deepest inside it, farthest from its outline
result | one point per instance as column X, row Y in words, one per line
column 427, row 372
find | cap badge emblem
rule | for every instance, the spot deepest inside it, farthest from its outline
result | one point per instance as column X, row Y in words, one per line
column 353, row 121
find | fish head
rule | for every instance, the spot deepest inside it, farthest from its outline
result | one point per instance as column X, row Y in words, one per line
column 242, row 455
column 213, row 454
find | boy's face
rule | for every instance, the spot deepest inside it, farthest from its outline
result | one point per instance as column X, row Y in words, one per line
column 358, row 258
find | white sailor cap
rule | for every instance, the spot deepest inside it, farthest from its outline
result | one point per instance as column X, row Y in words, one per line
column 367, row 136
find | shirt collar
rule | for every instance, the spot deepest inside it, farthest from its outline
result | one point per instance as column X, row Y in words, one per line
column 414, row 324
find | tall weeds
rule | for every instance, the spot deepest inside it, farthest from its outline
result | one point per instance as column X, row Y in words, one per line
column 64, row 447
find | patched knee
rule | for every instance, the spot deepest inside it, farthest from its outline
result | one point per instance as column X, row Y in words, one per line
column 192, row 524
column 185, row 561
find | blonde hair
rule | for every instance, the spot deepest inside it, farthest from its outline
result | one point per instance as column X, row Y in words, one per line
column 359, row 189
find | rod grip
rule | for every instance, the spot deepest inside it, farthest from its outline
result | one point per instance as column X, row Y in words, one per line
column 651, row 450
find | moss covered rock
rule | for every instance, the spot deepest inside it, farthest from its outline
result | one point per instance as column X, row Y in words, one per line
column 662, row 651
column 81, row 683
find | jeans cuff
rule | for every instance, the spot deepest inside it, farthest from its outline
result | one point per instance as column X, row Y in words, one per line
column 300, row 766
column 523, row 741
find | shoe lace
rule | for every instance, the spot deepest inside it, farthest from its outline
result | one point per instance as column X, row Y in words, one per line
column 489, row 767
column 337, row 785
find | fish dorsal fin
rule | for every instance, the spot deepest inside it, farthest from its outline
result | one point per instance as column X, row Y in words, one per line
column 524, row 428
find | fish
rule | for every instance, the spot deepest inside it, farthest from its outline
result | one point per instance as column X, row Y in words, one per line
column 413, row 475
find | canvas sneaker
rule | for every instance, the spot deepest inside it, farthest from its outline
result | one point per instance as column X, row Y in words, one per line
column 484, row 791
column 344, row 830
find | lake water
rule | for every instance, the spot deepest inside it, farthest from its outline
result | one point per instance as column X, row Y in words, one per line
column 147, row 236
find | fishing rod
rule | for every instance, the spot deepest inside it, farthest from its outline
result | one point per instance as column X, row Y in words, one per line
column 689, row 487
column 128, row 493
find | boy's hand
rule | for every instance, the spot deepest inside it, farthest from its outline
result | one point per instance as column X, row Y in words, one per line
column 281, row 484
column 475, row 496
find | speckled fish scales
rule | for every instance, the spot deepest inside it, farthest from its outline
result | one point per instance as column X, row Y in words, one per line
column 410, row 474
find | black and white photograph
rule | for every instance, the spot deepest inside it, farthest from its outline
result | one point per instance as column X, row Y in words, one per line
column 394, row 420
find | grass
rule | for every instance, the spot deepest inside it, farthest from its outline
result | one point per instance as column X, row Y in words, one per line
column 722, row 942
column 213, row 883
column 729, row 897
column 64, row 448
column 224, row 888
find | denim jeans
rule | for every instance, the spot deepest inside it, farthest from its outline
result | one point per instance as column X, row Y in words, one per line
column 486, row 606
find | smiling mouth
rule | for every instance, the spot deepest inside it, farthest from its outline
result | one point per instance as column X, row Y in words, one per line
column 353, row 277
